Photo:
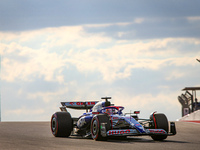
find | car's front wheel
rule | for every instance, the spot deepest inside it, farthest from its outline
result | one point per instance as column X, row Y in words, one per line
column 159, row 121
column 96, row 126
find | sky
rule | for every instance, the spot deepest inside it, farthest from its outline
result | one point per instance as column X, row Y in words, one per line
column 141, row 53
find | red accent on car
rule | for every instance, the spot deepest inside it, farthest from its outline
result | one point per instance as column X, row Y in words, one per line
column 71, row 103
column 79, row 103
column 154, row 119
column 114, row 118
column 116, row 132
column 111, row 122
column 93, row 103
column 117, row 107
column 92, row 130
column 136, row 112
column 95, row 112
column 157, row 131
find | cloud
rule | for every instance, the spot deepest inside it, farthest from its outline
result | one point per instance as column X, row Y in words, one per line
column 21, row 61
column 151, row 28
column 175, row 75
column 65, row 46
column 51, row 64
column 48, row 96
column 148, row 103
column 37, row 63
column 118, row 61
column 138, row 20
column 194, row 19
column 142, row 53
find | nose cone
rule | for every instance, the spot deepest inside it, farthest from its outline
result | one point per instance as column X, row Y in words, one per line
column 135, row 124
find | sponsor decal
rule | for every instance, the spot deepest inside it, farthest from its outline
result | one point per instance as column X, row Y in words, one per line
column 114, row 118
column 71, row 103
column 90, row 103
column 81, row 103
column 116, row 132
column 160, row 131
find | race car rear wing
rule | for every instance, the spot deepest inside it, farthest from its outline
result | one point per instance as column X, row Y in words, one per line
column 79, row 105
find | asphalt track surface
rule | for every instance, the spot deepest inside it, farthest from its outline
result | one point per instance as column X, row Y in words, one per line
column 37, row 135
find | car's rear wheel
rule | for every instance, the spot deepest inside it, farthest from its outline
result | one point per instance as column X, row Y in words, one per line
column 61, row 124
column 96, row 126
column 159, row 121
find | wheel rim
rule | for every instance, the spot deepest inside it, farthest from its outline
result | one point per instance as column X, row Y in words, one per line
column 53, row 124
column 94, row 127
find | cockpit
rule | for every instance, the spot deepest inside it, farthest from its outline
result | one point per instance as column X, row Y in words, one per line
column 104, row 107
column 112, row 110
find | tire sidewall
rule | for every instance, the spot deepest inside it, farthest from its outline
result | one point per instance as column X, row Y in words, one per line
column 159, row 122
column 96, row 134
column 54, row 124
column 61, row 124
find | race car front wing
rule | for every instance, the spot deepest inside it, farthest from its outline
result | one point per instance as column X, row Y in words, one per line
column 129, row 132
column 135, row 132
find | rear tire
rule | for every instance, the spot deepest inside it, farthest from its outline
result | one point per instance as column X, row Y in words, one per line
column 96, row 126
column 61, row 124
column 159, row 122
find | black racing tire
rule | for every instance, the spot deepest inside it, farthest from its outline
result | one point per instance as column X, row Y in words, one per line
column 160, row 121
column 61, row 124
column 96, row 125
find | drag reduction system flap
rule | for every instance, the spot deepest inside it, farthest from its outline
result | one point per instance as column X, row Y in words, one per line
column 79, row 105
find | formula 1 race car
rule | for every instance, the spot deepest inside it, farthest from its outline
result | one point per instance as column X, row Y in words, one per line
column 105, row 120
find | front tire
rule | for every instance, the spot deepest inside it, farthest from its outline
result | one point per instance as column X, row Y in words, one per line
column 96, row 126
column 61, row 124
column 159, row 122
